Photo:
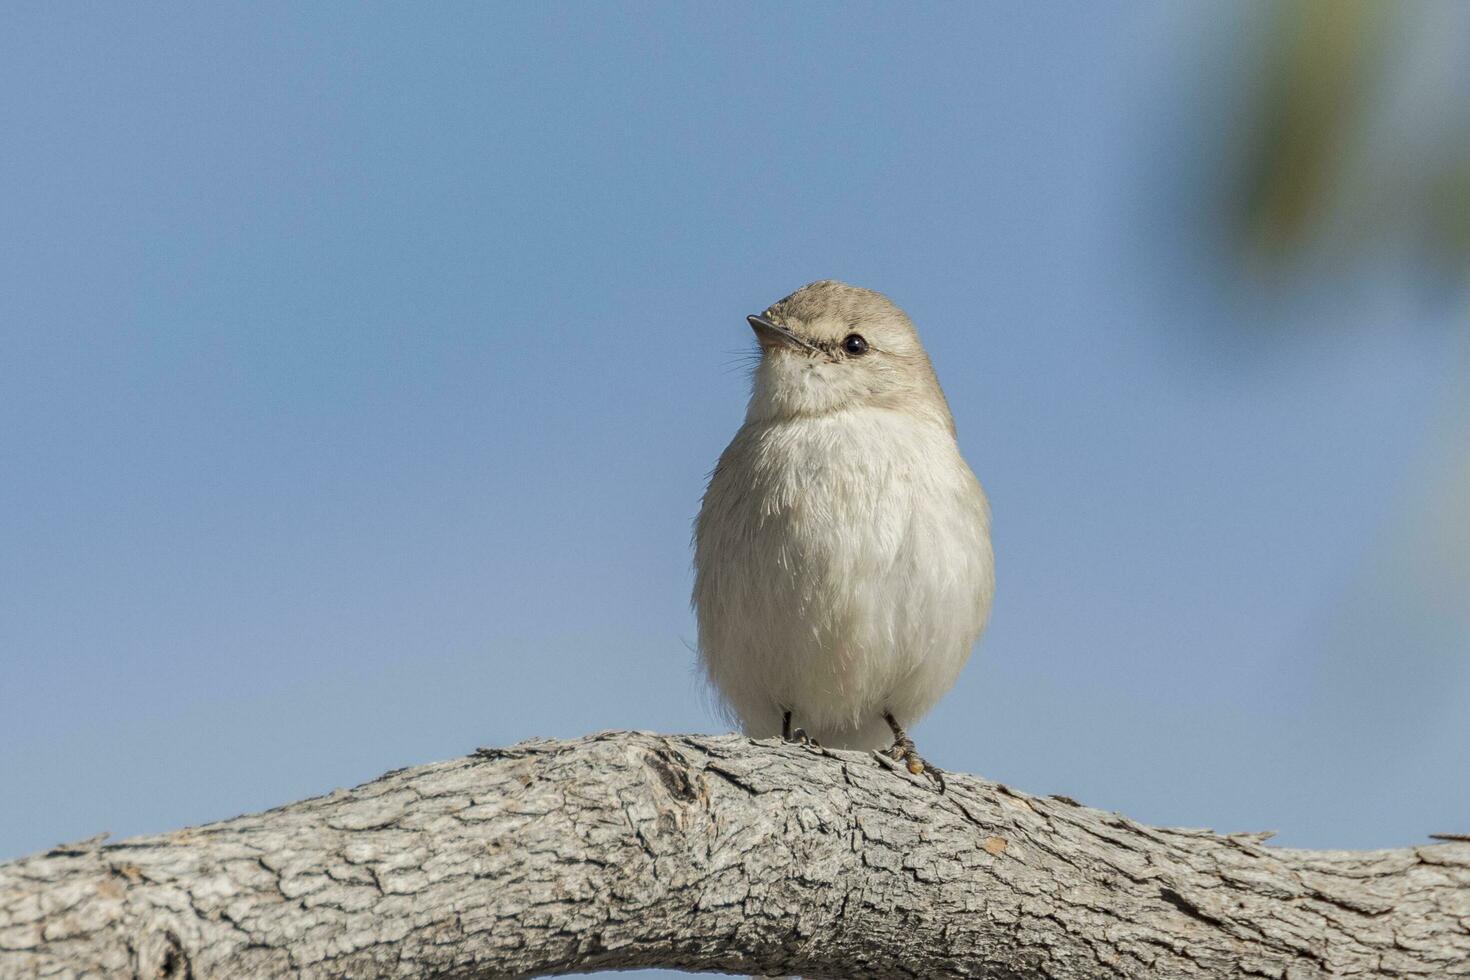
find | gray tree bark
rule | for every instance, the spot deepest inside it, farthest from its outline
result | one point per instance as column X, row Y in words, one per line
column 719, row 854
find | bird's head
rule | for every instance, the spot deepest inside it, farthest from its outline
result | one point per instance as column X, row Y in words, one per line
column 829, row 347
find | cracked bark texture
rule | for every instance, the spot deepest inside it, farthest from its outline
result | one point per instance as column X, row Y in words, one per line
column 719, row 854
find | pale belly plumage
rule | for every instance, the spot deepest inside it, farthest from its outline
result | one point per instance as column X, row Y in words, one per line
column 844, row 569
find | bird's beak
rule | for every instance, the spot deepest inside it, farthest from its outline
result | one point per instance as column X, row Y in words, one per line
column 770, row 336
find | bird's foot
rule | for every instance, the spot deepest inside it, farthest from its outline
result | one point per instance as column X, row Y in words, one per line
column 902, row 750
column 797, row 736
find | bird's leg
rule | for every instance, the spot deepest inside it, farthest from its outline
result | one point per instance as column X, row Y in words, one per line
column 799, row 736
column 903, row 751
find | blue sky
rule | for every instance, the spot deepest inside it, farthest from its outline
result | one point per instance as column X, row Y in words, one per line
column 361, row 372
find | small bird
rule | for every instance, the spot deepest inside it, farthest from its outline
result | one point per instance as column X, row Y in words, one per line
column 843, row 567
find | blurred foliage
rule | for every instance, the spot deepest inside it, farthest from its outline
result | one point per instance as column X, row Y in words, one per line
column 1322, row 52
column 1352, row 159
column 1334, row 156
column 1449, row 200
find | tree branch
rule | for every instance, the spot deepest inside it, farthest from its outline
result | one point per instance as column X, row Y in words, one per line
column 720, row 854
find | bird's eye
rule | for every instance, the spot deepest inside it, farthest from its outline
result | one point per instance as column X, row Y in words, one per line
column 854, row 344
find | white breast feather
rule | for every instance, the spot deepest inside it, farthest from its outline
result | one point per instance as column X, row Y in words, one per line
column 844, row 569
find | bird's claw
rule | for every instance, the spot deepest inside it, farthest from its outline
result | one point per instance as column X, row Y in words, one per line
column 916, row 764
column 800, row 737
column 903, row 751
column 797, row 737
